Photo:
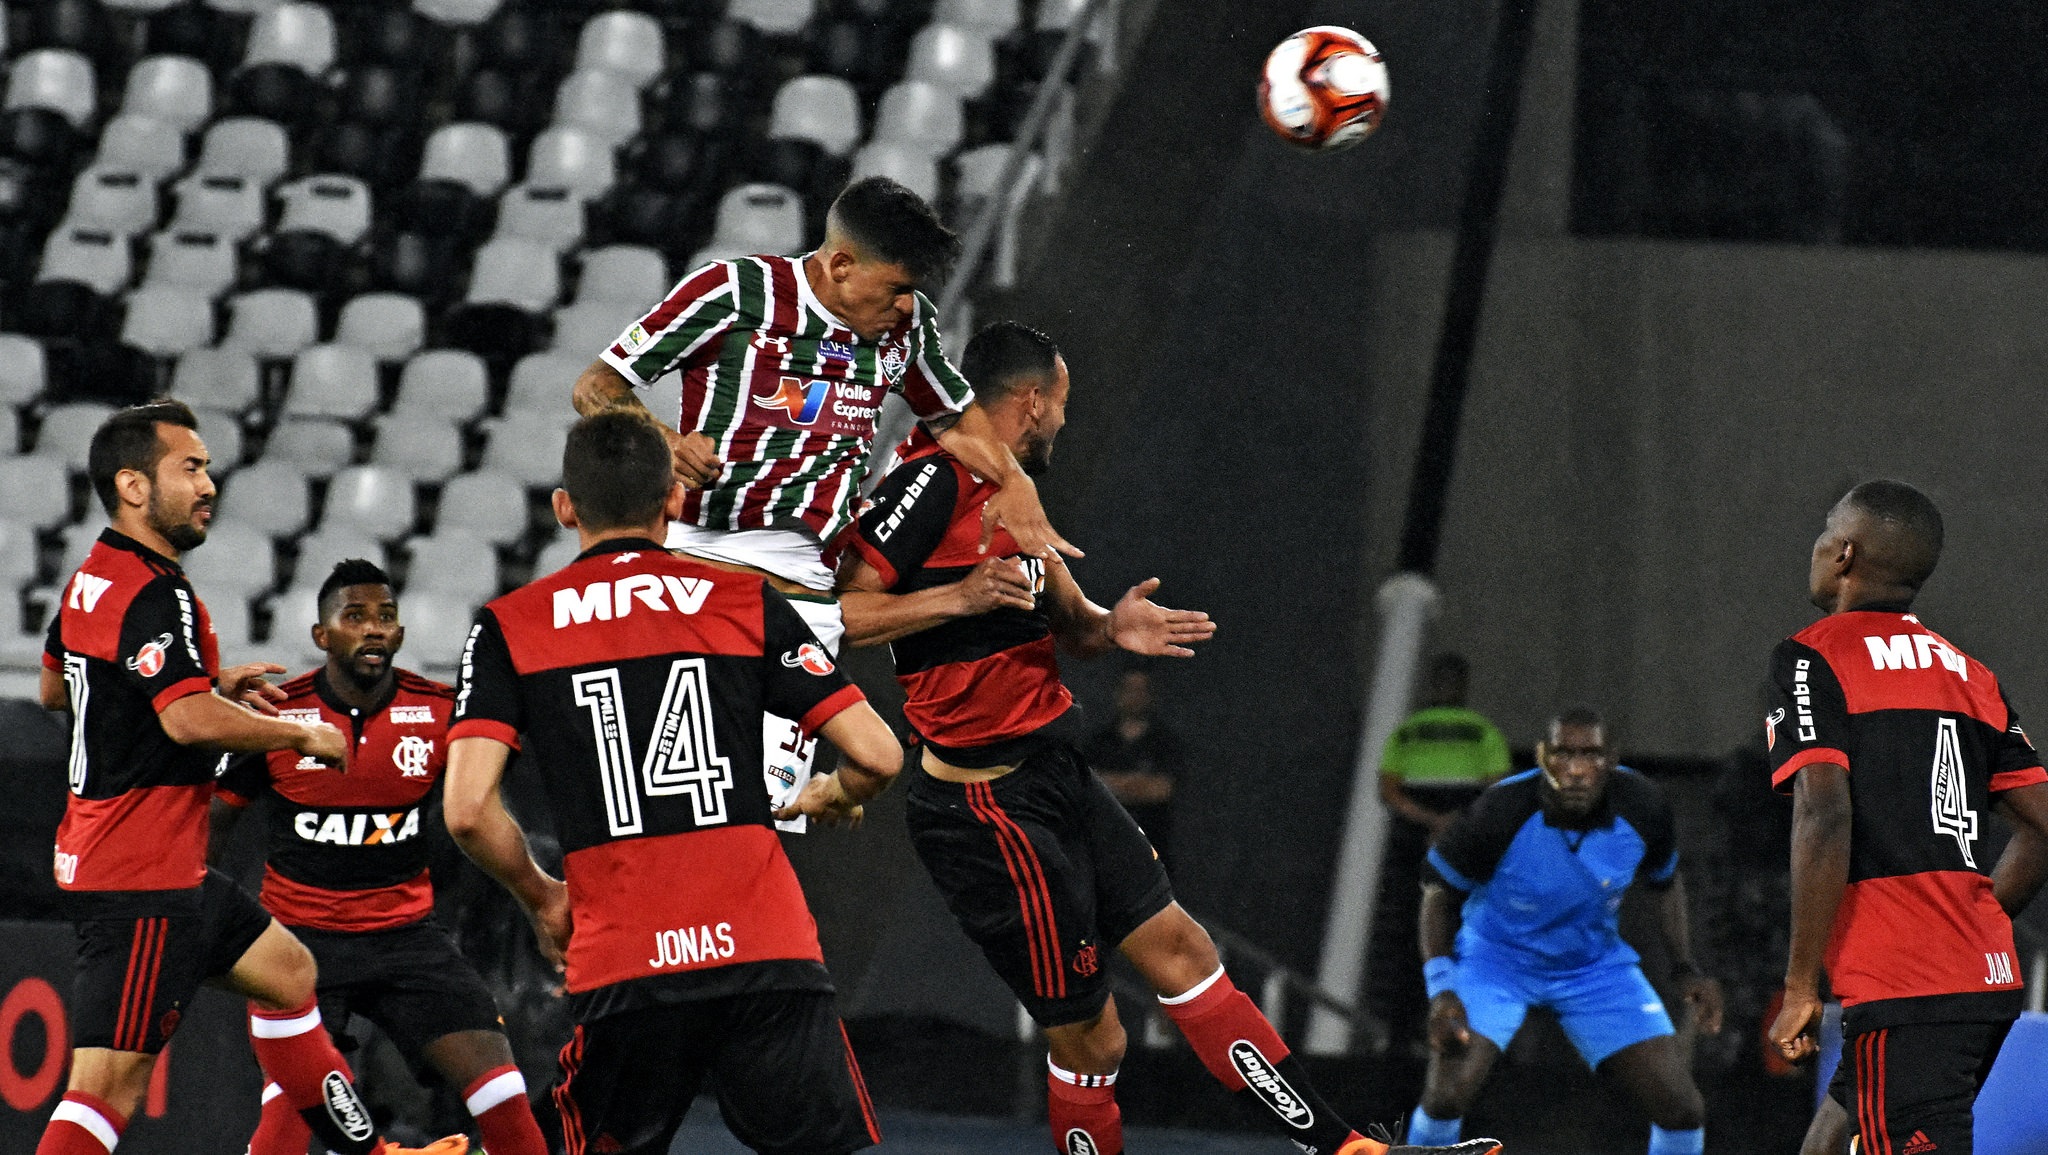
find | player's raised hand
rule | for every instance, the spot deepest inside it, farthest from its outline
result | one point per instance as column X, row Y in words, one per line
column 696, row 455
column 1016, row 508
column 552, row 921
column 1449, row 1032
column 249, row 685
column 823, row 798
column 1796, row 1031
column 996, row 583
column 1139, row 625
column 1704, row 996
column 323, row 743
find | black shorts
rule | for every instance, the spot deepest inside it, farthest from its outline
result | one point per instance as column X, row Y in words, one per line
column 778, row 1061
column 136, row 975
column 409, row 980
column 1911, row 1087
column 1045, row 871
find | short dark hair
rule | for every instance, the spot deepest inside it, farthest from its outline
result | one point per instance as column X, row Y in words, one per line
column 617, row 469
column 353, row 571
column 1579, row 716
column 128, row 439
column 1004, row 355
column 1906, row 544
column 896, row 225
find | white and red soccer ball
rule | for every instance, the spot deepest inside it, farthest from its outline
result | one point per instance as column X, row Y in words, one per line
column 1324, row 88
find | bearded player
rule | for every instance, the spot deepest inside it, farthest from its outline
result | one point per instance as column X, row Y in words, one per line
column 347, row 865
column 132, row 654
column 785, row 364
column 1037, row 860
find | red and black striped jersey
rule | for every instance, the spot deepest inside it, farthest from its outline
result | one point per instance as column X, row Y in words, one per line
column 789, row 393
column 131, row 638
column 982, row 690
column 1928, row 738
column 638, row 680
column 348, row 851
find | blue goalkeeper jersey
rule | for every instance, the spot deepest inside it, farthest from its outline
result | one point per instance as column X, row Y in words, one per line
column 1547, row 897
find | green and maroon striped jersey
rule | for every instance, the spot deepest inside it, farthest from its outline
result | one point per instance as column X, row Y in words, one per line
column 788, row 392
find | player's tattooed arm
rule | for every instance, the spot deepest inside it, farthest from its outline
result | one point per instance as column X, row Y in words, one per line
column 1821, row 814
column 475, row 813
column 601, row 387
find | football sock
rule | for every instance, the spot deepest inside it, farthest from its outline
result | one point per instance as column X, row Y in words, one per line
column 279, row 1131
column 497, row 1100
column 1424, row 1131
column 82, row 1124
column 1083, row 1103
column 1245, row 1054
column 1689, row 1142
column 294, row 1051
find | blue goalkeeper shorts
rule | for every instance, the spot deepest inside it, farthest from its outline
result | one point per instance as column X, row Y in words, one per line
column 1604, row 1007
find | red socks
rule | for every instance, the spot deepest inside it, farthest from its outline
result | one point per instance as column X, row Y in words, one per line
column 1083, row 1111
column 293, row 1049
column 1215, row 1016
column 82, row 1124
column 280, row 1131
column 497, row 1100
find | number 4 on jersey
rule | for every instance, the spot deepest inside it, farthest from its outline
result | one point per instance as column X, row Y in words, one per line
column 682, row 752
column 1951, row 800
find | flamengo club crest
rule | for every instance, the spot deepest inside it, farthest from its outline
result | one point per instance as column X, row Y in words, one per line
column 149, row 660
column 811, row 657
column 411, row 755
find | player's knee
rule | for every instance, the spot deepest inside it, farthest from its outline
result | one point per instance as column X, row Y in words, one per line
column 291, row 975
column 1680, row 1109
column 1443, row 1102
column 1095, row 1047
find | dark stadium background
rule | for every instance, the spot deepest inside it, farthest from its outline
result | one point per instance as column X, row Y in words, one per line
column 1748, row 256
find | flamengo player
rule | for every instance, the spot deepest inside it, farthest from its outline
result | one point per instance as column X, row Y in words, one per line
column 151, row 712
column 1894, row 743
column 637, row 679
column 1038, row 861
column 785, row 363
column 348, row 865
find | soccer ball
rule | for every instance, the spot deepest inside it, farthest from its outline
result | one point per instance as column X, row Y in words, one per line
column 1324, row 88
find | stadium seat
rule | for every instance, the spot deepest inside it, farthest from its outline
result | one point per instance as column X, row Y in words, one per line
column 846, row 49
column 303, row 259
column 991, row 19
column 243, row 7
column 541, row 383
column 332, row 380
column 10, row 431
column 174, row 89
column 760, row 218
column 141, row 7
column 78, row 538
column 223, row 378
column 709, row 104
column 386, row 156
column 907, row 164
column 239, row 558
column 920, row 113
column 436, row 630
column 557, row 553
column 273, row 323
column 633, row 274
column 245, row 146
column 672, row 161
column 553, row 217
column 67, row 432
column 391, row 326
column 527, row 445
column 588, row 328
column 490, row 505
column 229, row 614
column 270, row 496
column 224, row 441
column 17, row 570
column 421, row 446
column 455, row 563
column 517, row 102
column 446, row 383
column 219, row 202
column 382, row 94
column 140, row 144
column 79, row 25
column 38, row 491
column 279, row 92
column 518, row 272
column 952, row 58
column 457, row 13
column 55, row 79
column 62, row 309
column 204, row 262
column 329, row 546
column 292, row 615
column 601, row 102
column 40, row 137
column 166, row 320
column 822, row 109
column 476, row 156
column 418, row 265
column 573, row 159
column 772, row 17
column 121, row 203
column 373, row 498
column 674, row 223
column 729, row 48
column 628, row 43
column 336, row 206
column 299, row 35
column 315, row 445
column 90, row 257
column 24, row 371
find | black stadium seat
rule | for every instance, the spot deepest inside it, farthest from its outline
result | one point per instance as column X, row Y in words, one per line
column 671, row 162
column 199, row 30
column 730, row 47
column 382, row 95
column 445, row 208
column 40, row 137
column 384, row 157
column 276, row 92
column 79, row 25
column 416, row 264
column 61, row 309
column 676, row 223
column 513, row 100
column 500, row 334
column 302, row 259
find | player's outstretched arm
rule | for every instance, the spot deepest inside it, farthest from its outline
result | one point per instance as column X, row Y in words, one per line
column 211, row 720
column 2023, row 867
column 1135, row 623
column 870, row 758
column 1674, row 914
column 601, row 387
column 1821, row 813
column 972, row 439
column 475, row 813
column 1437, row 930
column 874, row 616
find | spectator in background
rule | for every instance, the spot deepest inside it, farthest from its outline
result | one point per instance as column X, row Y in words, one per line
column 1138, row 758
column 1435, row 765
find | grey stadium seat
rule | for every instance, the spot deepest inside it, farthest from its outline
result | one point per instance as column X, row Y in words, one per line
column 516, row 271
column 53, row 78
column 332, row 381
column 315, row 445
column 391, row 326
column 436, row 629
column 273, row 323
column 628, row 43
column 453, row 562
column 201, row 261
column 24, row 370
column 759, row 218
column 166, row 320
column 558, row 553
column 292, row 614
column 229, row 614
column 143, row 144
column 222, row 378
column 376, row 499
column 993, row 19
column 574, row 159
column 67, row 432
column 246, row 146
column 328, row 546
column 528, row 445
column 119, row 202
column 450, row 383
column 219, row 202
column 270, row 496
column 774, row 17
column 907, row 164
column 476, row 156
column 91, row 257
column 177, row 90
column 541, row 382
column 821, row 109
column 634, row 274
column 587, row 329
column 78, row 539
column 38, row 491
column 423, row 447
column 601, row 102
column 920, row 113
column 238, row 558
column 548, row 216
column 457, row 13
column 337, row 206
column 952, row 58
column 301, row 35
column 489, row 504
